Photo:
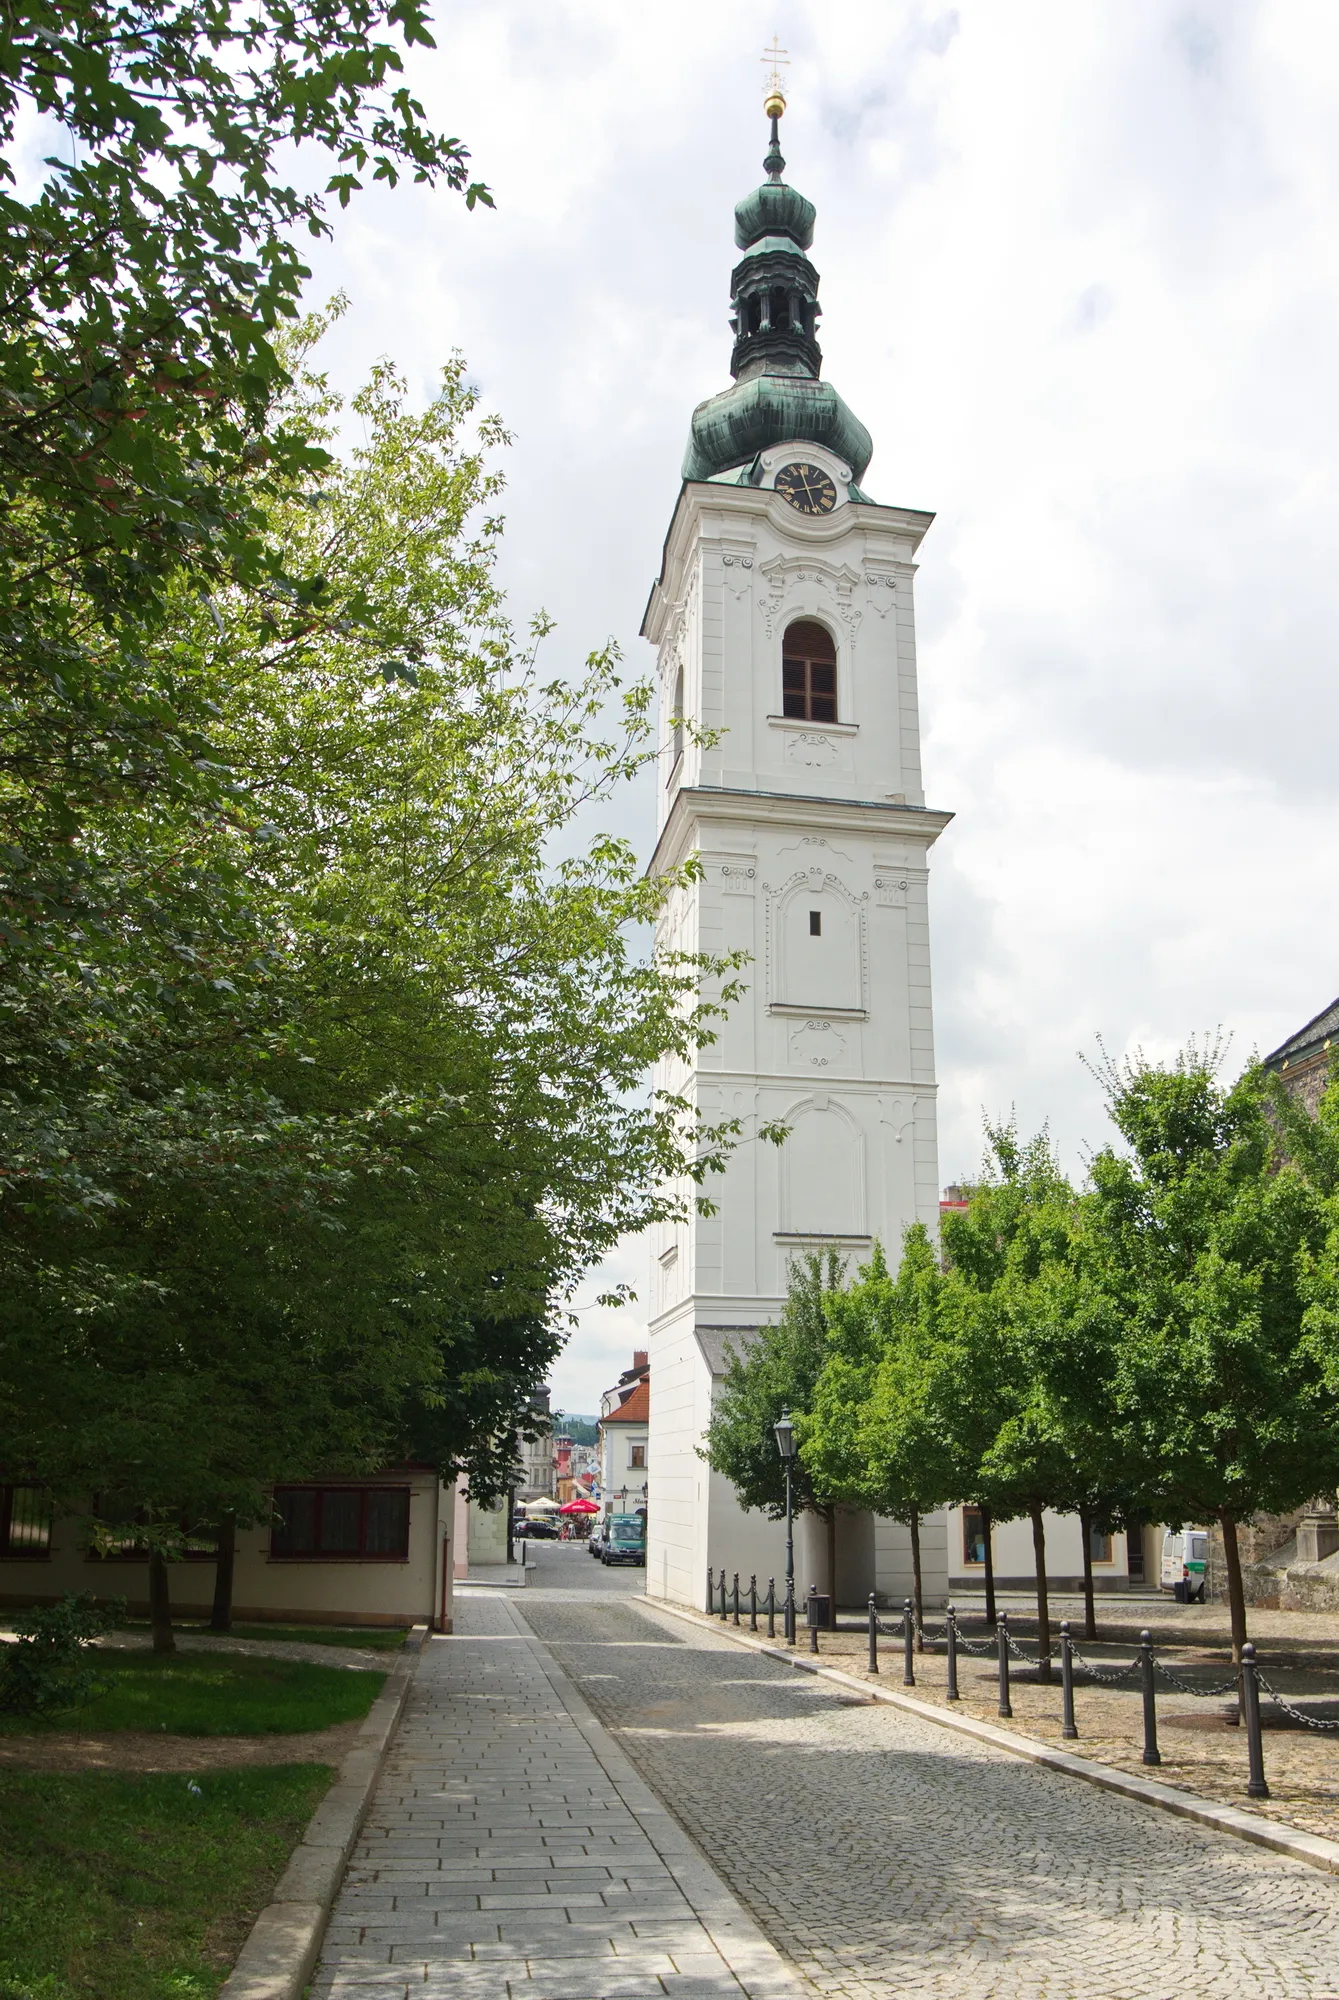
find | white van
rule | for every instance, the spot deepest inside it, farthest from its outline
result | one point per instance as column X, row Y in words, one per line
column 1185, row 1561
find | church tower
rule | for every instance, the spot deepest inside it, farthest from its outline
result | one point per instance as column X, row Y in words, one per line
column 783, row 627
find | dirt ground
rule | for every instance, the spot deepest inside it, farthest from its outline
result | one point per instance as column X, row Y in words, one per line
column 141, row 1750
column 1202, row 1750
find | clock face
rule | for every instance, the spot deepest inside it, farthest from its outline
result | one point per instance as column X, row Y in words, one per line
column 808, row 489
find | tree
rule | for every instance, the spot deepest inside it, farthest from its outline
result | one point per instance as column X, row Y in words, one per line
column 779, row 1370
column 1010, row 1274
column 140, row 443
column 1208, row 1242
column 871, row 1438
column 415, row 1123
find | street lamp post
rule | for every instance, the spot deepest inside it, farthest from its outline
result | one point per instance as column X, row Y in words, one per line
column 785, row 1444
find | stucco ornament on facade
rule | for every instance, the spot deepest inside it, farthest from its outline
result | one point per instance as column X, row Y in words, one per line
column 798, row 584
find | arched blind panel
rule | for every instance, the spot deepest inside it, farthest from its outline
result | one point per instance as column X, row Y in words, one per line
column 809, row 672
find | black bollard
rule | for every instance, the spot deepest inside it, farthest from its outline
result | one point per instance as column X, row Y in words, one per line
column 1152, row 1754
column 1256, row 1788
column 951, row 1633
column 1069, row 1731
column 736, row 1597
column 771, row 1607
column 1002, row 1651
column 711, row 1590
column 753, row 1604
column 725, row 1612
column 908, row 1643
column 813, row 1618
column 873, row 1636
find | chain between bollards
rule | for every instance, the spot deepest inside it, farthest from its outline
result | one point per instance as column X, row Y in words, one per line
column 1152, row 1754
column 951, row 1635
column 1002, row 1654
column 1256, row 1788
column 908, row 1645
column 1069, row 1730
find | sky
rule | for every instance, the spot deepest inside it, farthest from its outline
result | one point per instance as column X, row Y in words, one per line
column 1080, row 278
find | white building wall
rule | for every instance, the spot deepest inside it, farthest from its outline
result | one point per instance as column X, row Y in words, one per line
column 1015, row 1562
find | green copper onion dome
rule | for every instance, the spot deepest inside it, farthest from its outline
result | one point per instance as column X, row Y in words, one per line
column 777, row 394
column 774, row 210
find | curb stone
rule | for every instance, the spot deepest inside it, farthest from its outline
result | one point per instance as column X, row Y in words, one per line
column 1311, row 1848
column 284, row 1943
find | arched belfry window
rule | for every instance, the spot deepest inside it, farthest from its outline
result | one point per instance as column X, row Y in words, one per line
column 809, row 672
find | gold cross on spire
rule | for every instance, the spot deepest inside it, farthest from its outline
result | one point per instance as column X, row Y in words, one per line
column 774, row 99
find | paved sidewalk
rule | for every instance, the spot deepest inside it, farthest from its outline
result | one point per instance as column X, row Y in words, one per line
column 512, row 1851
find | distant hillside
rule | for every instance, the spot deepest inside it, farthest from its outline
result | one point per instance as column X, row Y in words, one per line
column 581, row 1430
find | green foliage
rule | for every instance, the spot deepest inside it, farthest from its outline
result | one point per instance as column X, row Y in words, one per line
column 326, row 1215
column 140, row 1888
column 1212, row 1248
column 875, row 1437
column 46, row 1669
column 779, row 1370
column 215, row 1694
column 581, row 1430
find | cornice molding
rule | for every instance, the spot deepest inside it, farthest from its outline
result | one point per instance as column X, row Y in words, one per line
column 737, row 504
column 694, row 804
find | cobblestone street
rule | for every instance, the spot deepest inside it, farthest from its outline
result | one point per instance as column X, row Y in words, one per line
column 886, row 1856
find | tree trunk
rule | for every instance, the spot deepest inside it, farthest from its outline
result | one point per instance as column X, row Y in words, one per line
column 992, row 1615
column 1236, row 1594
column 220, row 1618
column 917, row 1594
column 1089, row 1607
column 1043, row 1596
column 832, row 1569
column 160, row 1604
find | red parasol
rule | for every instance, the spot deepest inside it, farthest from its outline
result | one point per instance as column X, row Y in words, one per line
column 579, row 1507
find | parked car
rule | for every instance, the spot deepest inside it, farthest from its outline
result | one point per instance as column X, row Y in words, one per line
column 595, row 1542
column 625, row 1541
column 535, row 1529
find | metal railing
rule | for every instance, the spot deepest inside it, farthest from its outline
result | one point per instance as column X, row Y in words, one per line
column 1246, row 1681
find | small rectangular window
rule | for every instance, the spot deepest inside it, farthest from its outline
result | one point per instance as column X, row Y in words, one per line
column 815, row 923
column 973, row 1535
column 341, row 1523
column 25, row 1523
column 1099, row 1545
column 637, row 1455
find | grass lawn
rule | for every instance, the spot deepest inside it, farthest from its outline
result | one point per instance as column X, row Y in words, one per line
column 219, row 1694
column 134, row 1888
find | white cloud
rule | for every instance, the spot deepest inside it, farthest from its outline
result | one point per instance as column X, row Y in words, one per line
column 1081, row 278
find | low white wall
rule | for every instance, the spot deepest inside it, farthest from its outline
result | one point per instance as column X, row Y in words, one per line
column 1015, row 1565
column 369, row 1592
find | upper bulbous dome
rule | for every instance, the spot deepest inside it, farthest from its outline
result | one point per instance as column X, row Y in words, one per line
column 774, row 210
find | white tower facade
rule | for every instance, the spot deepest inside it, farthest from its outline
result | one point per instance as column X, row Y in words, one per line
column 784, row 629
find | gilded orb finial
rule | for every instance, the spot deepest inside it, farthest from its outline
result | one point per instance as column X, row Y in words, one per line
column 774, row 96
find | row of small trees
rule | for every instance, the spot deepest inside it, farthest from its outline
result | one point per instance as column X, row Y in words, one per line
column 322, row 1025
column 1161, row 1344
